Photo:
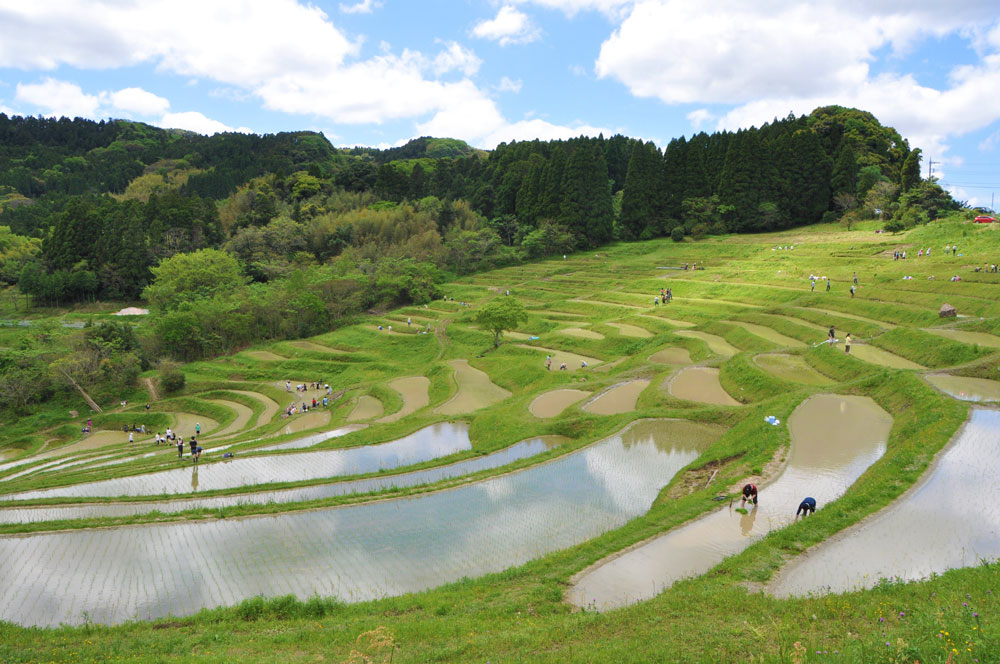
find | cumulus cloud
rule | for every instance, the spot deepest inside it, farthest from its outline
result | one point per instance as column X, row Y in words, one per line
column 611, row 8
column 700, row 117
column 138, row 101
column 510, row 26
column 197, row 122
column 456, row 57
column 58, row 98
column 364, row 7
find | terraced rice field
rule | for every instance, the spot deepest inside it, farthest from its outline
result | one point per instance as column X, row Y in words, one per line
column 440, row 458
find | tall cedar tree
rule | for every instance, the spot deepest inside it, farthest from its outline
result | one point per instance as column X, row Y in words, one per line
column 739, row 183
column 641, row 195
column 909, row 176
column 586, row 207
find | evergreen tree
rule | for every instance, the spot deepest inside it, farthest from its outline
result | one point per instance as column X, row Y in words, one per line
column 739, row 180
column 640, row 197
column 845, row 170
column 74, row 236
column 909, row 176
column 586, row 207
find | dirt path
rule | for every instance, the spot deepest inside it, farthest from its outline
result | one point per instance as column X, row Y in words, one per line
column 441, row 334
column 154, row 394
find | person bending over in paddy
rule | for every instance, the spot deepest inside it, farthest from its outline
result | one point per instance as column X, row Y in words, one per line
column 806, row 507
column 749, row 494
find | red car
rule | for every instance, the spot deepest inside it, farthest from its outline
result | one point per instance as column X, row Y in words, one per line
column 982, row 219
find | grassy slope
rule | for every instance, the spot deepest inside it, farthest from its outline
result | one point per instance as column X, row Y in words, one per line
column 518, row 615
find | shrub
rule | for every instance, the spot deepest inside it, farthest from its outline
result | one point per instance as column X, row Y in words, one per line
column 677, row 235
column 171, row 377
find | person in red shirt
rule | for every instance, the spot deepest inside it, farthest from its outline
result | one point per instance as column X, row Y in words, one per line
column 749, row 494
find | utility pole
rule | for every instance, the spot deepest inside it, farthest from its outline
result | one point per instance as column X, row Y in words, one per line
column 930, row 167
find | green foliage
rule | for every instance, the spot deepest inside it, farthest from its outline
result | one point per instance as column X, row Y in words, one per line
column 171, row 378
column 500, row 315
column 677, row 235
column 187, row 278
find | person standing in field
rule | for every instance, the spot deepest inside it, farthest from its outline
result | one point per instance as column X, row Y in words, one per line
column 855, row 278
column 853, row 287
column 812, row 282
column 847, row 343
column 548, row 363
column 180, row 448
column 827, row 284
column 833, row 335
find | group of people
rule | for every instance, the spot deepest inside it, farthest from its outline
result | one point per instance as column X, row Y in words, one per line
column 665, row 296
column 305, row 387
column 806, row 507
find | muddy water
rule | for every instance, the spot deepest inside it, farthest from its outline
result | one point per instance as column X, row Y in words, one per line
column 701, row 384
column 768, row 333
column 876, row 355
column 475, row 390
column 431, row 442
column 355, row 553
column 243, row 415
column 366, row 408
column 572, row 360
column 305, row 421
column 313, row 440
column 966, row 389
column 791, row 367
column 834, row 439
column 523, row 450
column 617, row 400
column 270, row 406
column 581, row 333
column 716, row 344
column 981, row 338
column 627, row 330
column 413, row 389
column 673, row 356
column 553, row 403
column 948, row 520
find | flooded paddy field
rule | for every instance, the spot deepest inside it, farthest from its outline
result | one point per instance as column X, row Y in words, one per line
column 834, row 440
column 966, row 388
column 356, row 552
column 435, row 441
column 627, row 330
column 790, row 367
column 701, row 384
column 366, row 408
column 946, row 521
column 768, row 333
column 413, row 389
column 553, row 403
column 522, row 450
column 715, row 343
column 475, row 390
column 672, row 356
column 617, row 400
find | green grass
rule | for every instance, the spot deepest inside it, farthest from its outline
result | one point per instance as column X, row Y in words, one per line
column 518, row 615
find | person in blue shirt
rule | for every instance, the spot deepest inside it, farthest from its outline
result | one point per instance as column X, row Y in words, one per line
column 806, row 507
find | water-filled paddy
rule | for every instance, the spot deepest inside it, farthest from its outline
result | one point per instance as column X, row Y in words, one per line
column 573, row 360
column 581, row 333
column 437, row 440
column 790, row 367
column 243, row 415
column 948, row 520
column 627, row 330
column 475, row 390
column 876, row 355
column 270, row 406
column 619, row 399
column 523, row 450
column 834, row 439
column 701, row 384
column 305, row 421
column 355, row 553
column 672, row 356
column 768, row 333
column 715, row 343
column 413, row 389
column 553, row 403
column 981, row 338
column 966, row 388
column 366, row 408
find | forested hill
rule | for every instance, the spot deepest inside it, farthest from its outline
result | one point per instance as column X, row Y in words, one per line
column 88, row 208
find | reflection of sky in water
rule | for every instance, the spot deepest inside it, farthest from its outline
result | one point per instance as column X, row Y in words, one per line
column 825, row 473
column 965, row 388
column 522, row 450
column 431, row 442
column 356, row 552
column 946, row 522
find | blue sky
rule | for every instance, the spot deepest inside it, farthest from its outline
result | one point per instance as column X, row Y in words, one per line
column 379, row 72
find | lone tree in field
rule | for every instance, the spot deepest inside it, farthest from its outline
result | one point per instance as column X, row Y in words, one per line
column 500, row 315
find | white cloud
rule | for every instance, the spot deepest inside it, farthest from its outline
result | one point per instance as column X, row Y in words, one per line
column 509, row 85
column 139, row 101
column 700, row 117
column 456, row 57
column 527, row 130
column 510, row 26
column 363, row 7
column 197, row 122
column 611, row 8
column 58, row 98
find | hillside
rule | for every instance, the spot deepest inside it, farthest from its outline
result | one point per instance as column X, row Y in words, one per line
column 502, row 483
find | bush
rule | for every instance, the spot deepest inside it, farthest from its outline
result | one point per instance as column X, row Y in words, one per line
column 718, row 228
column 677, row 235
column 894, row 225
column 699, row 231
column 171, row 377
